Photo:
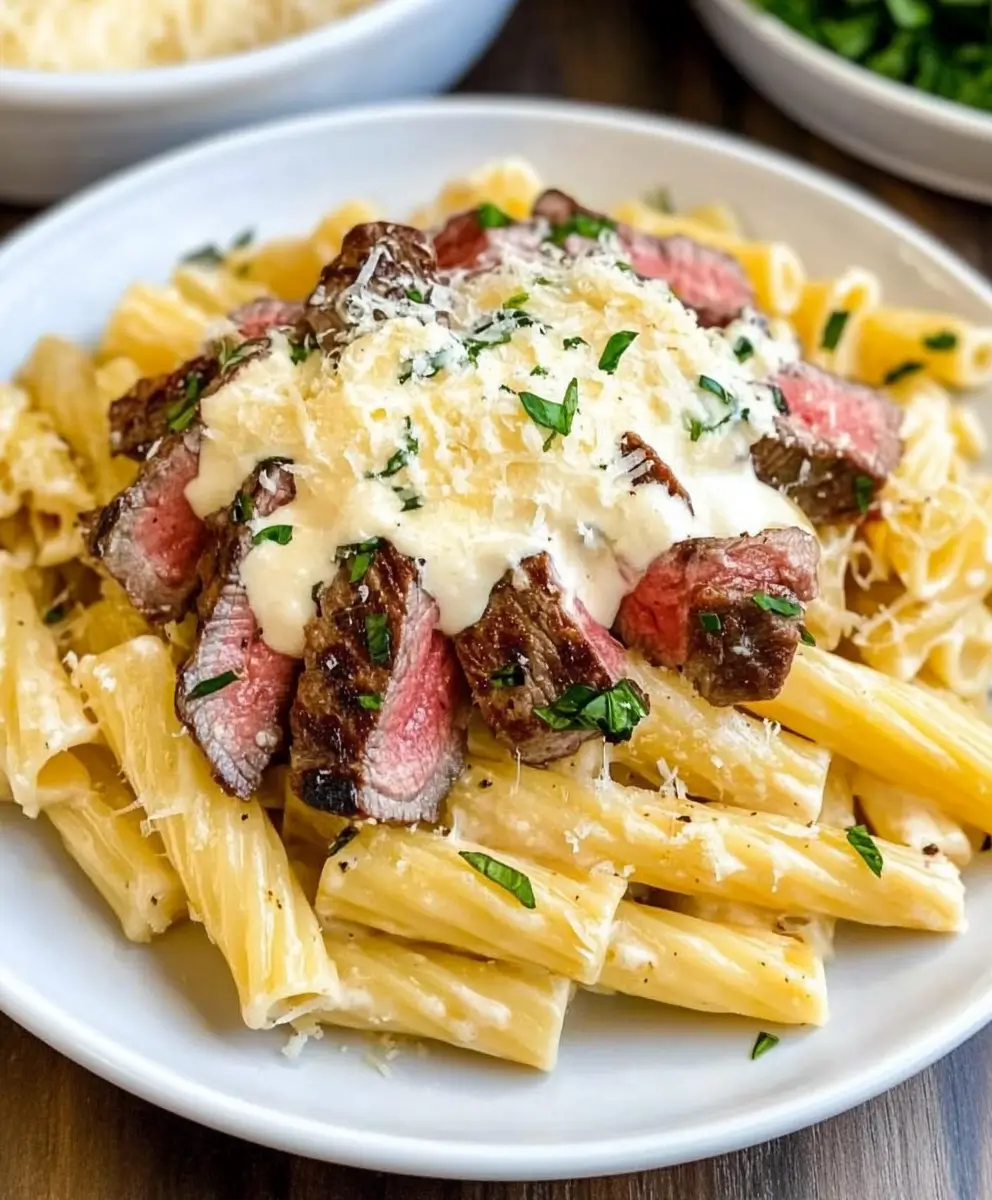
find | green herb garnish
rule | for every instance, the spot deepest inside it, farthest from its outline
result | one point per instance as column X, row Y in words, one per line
column 211, row 256
column 763, row 1043
column 512, row 675
column 243, row 508
column 716, row 389
column 833, row 331
column 614, row 711
column 660, row 199
column 698, row 428
column 348, row 834
column 371, row 701
column 56, row 613
column 615, row 349
column 541, row 371
column 572, row 342
column 282, row 535
column 490, row 216
column 409, row 499
column 549, row 414
column 416, row 295
column 378, row 638
column 743, row 349
column 506, row 877
column 945, row 340
column 864, row 492
column 517, row 300
column 585, row 225
column 361, row 555
column 806, row 637
column 399, row 459
column 496, row 331
column 207, row 687
column 300, row 350
column 902, row 371
column 777, row 604
column 862, row 841
column 711, row 622
column 180, row 416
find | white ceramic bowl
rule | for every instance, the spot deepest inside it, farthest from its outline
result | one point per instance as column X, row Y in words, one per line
column 637, row 1086
column 911, row 133
column 61, row 131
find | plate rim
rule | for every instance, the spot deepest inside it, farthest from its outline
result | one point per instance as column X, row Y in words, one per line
column 55, row 1024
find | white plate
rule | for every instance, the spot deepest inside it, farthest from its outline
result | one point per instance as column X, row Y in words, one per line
column 947, row 146
column 637, row 1086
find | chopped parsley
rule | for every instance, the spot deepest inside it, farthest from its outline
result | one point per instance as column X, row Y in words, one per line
column 864, row 492
column 282, row 535
column 361, row 555
column 833, row 331
column 409, row 499
column 399, row 459
column 496, row 331
column 207, row 687
column 346, row 836
column 517, row 300
column 301, row 349
column 585, row 225
column 762, row 1044
column 378, row 638
column 615, row 349
column 181, row 415
column 416, row 295
column 743, row 349
column 371, row 701
column 697, row 428
column 862, row 841
column 660, row 199
column 490, row 216
column 778, row 398
column 902, row 371
column 572, row 342
column 614, row 711
column 946, row 339
column 711, row 622
column 230, row 354
column 716, row 389
column 425, row 366
column 542, row 371
column 778, row 605
column 504, row 876
column 549, row 414
column 211, row 255
column 243, row 508
column 806, row 637
column 512, row 675
column 243, row 239
column 55, row 614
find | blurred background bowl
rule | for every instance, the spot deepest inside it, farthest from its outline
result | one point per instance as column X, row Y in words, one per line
column 944, row 145
column 59, row 131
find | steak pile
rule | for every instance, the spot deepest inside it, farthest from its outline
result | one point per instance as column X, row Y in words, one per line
column 727, row 611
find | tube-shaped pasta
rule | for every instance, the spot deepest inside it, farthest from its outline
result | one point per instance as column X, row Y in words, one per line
column 951, row 349
column 512, row 184
column 157, row 327
column 896, row 730
column 230, row 859
column 106, row 623
column 44, row 723
column 899, row 816
column 418, row 884
column 214, row 290
column 828, row 312
column 774, row 268
column 13, row 402
column 676, row 959
column 388, row 985
column 718, row 216
column 684, row 846
column 721, row 753
column 103, row 833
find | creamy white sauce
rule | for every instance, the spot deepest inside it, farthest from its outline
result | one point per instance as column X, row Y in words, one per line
column 490, row 494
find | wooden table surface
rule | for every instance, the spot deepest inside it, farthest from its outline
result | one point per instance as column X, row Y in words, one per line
column 66, row 1135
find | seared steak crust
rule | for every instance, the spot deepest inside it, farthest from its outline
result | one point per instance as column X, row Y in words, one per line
column 142, row 415
column 708, row 606
column 526, row 650
column 379, row 264
column 379, row 717
column 645, row 466
column 240, row 725
column 836, row 446
column 148, row 538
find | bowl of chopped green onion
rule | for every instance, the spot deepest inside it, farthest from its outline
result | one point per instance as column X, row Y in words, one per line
column 904, row 84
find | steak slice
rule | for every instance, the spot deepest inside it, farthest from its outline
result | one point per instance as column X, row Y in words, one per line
column 380, row 715
column 161, row 404
column 233, row 693
column 464, row 244
column 142, row 415
column 834, row 448
column 710, row 282
column 726, row 611
column 148, row 538
column 528, row 648
column 380, row 265
column 643, row 465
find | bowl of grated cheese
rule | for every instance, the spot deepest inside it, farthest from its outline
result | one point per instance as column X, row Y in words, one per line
column 88, row 86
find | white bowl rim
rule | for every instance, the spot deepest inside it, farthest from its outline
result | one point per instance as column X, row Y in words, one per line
column 49, row 89
column 55, row 1023
column 912, row 101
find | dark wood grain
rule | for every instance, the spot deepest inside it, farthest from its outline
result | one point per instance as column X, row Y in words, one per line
column 66, row 1135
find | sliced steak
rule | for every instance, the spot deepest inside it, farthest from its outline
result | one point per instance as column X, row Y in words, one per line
column 161, row 404
column 710, row 282
column 834, row 448
column 529, row 647
column 643, row 465
column 380, row 713
column 233, row 693
column 143, row 415
column 727, row 611
column 380, row 266
column 148, row 538
column 464, row 244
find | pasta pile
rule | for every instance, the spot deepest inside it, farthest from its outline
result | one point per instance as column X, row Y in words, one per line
column 702, row 864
